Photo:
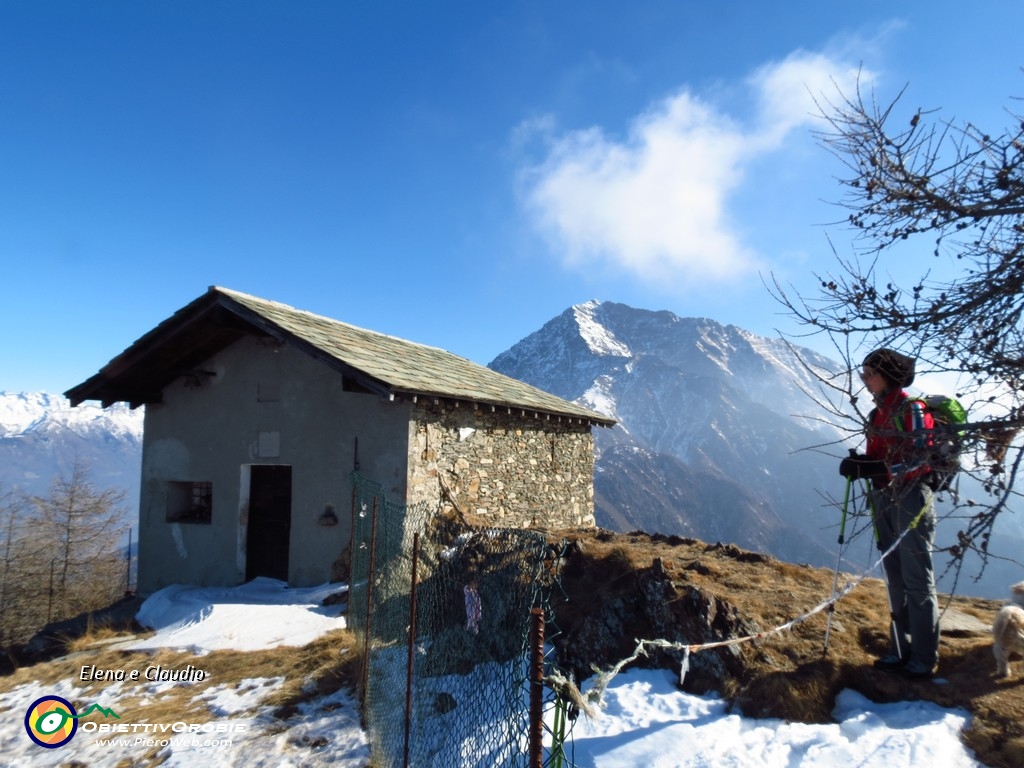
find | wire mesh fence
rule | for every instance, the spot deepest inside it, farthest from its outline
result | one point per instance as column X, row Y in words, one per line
column 443, row 611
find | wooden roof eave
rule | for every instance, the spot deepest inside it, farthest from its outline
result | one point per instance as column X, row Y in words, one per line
column 116, row 382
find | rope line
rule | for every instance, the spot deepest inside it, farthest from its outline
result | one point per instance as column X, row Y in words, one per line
column 594, row 696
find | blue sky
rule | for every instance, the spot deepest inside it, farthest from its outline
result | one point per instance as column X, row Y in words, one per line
column 454, row 173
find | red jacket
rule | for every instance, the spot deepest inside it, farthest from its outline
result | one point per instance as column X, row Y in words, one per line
column 899, row 434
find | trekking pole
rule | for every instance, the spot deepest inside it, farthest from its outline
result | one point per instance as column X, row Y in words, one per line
column 839, row 558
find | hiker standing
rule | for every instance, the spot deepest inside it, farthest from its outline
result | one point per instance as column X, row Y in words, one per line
column 902, row 503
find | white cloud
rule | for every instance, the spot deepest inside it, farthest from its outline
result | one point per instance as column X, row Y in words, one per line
column 786, row 91
column 656, row 204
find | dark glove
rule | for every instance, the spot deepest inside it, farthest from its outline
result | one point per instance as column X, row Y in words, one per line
column 857, row 466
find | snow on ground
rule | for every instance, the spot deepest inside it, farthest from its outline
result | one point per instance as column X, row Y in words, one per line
column 645, row 720
column 263, row 613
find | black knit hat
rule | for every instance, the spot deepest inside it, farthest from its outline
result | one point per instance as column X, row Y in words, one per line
column 893, row 365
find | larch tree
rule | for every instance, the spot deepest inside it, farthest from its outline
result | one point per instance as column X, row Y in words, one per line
column 12, row 603
column 80, row 526
column 23, row 576
column 952, row 193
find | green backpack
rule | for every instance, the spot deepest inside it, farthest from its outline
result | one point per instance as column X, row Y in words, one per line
column 947, row 439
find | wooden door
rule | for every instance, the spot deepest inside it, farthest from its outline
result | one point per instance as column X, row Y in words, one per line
column 270, row 520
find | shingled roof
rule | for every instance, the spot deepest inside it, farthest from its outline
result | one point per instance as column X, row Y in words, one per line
column 376, row 362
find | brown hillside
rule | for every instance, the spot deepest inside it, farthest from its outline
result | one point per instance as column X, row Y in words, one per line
column 620, row 588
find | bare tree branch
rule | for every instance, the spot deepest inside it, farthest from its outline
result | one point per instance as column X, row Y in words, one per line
column 961, row 190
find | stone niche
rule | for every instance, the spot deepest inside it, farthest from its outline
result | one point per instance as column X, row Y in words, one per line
column 510, row 470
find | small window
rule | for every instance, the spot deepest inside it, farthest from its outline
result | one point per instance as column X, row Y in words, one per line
column 189, row 502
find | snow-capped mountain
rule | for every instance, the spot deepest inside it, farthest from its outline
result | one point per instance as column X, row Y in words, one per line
column 714, row 427
column 41, row 435
column 721, row 435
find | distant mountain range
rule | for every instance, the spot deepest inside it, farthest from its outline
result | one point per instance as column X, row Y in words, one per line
column 718, row 437
column 41, row 436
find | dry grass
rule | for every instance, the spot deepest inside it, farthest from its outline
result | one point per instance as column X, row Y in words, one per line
column 96, row 634
column 324, row 666
column 789, row 675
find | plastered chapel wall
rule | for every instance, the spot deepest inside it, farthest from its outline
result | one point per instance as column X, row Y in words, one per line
column 260, row 402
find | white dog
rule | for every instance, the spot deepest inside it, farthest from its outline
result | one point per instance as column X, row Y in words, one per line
column 1008, row 631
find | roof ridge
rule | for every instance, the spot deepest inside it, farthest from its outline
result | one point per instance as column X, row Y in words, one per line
column 232, row 293
column 381, row 362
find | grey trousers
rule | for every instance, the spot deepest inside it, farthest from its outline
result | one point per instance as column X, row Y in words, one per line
column 908, row 568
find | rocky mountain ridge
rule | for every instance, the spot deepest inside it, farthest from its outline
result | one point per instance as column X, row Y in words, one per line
column 714, row 427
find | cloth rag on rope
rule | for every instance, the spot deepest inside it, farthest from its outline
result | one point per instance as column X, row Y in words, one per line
column 474, row 608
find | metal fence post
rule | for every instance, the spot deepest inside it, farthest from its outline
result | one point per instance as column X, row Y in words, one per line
column 412, row 644
column 352, row 542
column 369, row 604
column 537, row 688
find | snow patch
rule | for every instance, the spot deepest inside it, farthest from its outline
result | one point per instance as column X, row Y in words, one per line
column 182, row 616
column 599, row 397
column 599, row 339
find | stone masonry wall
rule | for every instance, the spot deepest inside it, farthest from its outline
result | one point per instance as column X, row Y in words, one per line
column 514, row 471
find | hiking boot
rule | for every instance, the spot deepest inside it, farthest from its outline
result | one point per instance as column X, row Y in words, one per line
column 890, row 663
column 915, row 670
